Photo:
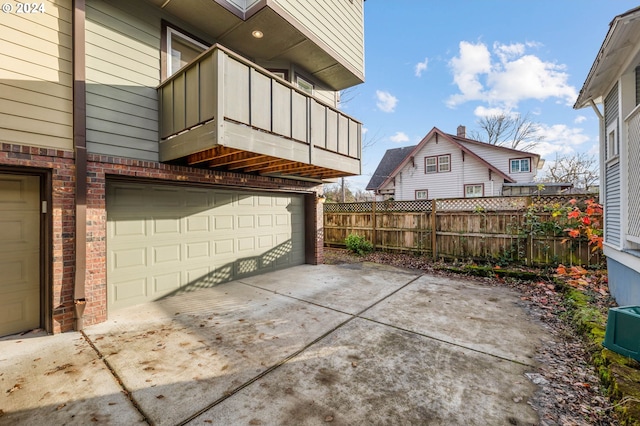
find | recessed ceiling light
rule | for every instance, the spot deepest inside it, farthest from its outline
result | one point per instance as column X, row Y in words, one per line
column 257, row 34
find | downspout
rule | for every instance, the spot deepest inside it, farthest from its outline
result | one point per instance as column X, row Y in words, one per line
column 80, row 148
column 602, row 126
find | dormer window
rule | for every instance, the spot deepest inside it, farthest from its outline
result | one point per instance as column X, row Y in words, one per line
column 520, row 165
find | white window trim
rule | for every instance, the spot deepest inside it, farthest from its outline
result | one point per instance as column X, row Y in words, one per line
column 474, row 185
column 171, row 32
column 305, row 81
column 612, row 129
column 519, row 160
column 426, row 194
column 437, row 163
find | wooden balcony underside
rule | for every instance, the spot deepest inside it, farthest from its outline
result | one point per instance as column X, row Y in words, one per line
column 235, row 160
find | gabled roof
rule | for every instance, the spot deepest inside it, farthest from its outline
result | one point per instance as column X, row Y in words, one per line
column 392, row 158
column 386, row 174
column 619, row 45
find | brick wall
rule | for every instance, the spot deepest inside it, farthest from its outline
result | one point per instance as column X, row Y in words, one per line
column 60, row 166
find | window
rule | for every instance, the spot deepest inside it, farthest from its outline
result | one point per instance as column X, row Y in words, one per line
column 304, row 85
column 431, row 164
column 613, row 144
column 520, row 165
column 443, row 163
column 439, row 164
column 283, row 74
column 180, row 50
column 421, row 194
column 473, row 191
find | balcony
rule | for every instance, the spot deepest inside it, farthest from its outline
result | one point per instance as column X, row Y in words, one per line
column 222, row 111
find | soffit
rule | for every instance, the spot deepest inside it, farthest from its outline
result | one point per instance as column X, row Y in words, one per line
column 282, row 41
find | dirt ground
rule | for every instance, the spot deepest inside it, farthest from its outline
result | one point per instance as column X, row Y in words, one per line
column 569, row 388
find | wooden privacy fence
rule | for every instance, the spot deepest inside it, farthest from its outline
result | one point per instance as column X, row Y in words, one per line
column 498, row 229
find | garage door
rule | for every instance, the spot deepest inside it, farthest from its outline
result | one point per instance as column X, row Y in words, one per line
column 162, row 240
column 19, row 253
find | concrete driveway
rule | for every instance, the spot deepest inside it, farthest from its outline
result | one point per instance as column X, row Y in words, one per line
column 309, row 345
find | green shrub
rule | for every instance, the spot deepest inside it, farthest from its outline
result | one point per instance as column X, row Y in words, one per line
column 358, row 244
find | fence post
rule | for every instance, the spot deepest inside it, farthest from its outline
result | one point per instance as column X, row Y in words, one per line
column 434, row 241
column 529, row 242
column 373, row 223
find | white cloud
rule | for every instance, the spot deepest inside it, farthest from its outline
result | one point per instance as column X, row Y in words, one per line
column 364, row 130
column 421, row 66
column 506, row 75
column 482, row 111
column 559, row 139
column 386, row 101
column 399, row 137
column 580, row 119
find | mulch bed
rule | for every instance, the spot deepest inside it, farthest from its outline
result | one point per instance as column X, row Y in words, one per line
column 569, row 388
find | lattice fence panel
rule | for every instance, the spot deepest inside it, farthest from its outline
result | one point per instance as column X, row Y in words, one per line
column 633, row 156
column 390, row 206
column 560, row 200
column 483, row 204
column 348, row 207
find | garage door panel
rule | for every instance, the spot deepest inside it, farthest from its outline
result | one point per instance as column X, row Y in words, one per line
column 197, row 224
column 224, row 246
column 246, row 200
column 125, row 226
column 128, row 258
column 265, row 201
column 198, row 250
column 265, row 241
column 16, row 192
column 164, row 196
column 163, row 284
column 245, row 244
column 19, row 271
column 166, row 254
column 165, row 225
column 198, row 198
column 223, row 222
column 129, row 292
column 201, row 238
column 19, row 312
column 123, row 196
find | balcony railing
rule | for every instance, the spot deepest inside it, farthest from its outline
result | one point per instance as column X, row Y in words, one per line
column 222, row 110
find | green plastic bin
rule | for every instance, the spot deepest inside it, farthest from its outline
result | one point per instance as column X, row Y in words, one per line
column 623, row 331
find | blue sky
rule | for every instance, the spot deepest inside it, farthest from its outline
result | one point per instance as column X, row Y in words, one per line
column 444, row 63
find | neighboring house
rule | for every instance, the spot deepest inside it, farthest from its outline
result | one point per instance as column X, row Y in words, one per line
column 153, row 147
column 450, row 166
column 614, row 83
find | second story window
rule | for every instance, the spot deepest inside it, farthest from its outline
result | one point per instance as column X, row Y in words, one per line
column 180, row 50
column 304, row 84
column 520, row 165
column 437, row 164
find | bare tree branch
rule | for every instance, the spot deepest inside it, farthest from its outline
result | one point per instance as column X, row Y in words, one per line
column 581, row 170
column 511, row 130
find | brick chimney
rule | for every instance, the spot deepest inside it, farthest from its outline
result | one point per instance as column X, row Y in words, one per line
column 462, row 131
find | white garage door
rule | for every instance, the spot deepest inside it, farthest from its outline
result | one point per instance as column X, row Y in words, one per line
column 162, row 239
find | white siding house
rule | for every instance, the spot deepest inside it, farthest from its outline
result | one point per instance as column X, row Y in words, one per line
column 448, row 166
column 612, row 89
